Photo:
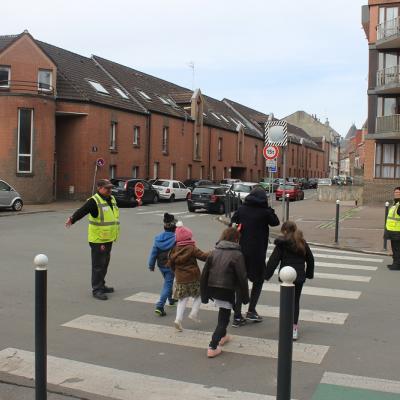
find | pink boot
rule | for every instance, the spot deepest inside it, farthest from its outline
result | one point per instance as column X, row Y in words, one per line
column 211, row 353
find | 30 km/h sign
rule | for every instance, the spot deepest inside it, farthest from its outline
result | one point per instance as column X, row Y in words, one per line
column 139, row 190
column 271, row 152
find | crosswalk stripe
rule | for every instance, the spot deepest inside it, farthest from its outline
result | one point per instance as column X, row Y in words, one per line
column 317, row 291
column 150, row 212
column 251, row 346
column 337, row 257
column 113, row 383
column 328, row 250
column 340, row 277
column 361, row 382
column 323, row 317
column 345, row 266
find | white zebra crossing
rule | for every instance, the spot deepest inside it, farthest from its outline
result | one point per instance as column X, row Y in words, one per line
column 113, row 383
column 340, row 277
column 308, row 353
column 345, row 266
column 323, row 317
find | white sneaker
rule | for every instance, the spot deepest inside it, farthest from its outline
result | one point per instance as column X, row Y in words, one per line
column 295, row 333
column 178, row 325
column 194, row 318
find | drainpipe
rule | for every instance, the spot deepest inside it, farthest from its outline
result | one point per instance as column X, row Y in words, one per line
column 209, row 152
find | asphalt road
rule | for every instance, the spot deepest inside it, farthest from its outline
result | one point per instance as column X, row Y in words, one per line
column 131, row 338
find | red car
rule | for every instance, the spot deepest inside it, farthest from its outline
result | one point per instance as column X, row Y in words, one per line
column 294, row 192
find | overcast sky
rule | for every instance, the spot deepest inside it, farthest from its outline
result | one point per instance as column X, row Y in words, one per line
column 274, row 56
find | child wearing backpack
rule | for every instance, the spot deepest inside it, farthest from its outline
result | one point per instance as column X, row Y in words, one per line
column 292, row 250
column 223, row 275
column 162, row 245
column 183, row 261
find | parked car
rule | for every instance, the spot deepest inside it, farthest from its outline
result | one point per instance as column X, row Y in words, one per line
column 324, row 182
column 169, row 189
column 313, row 183
column 304, row 183
column 266, row 183
column 211, row 198
column 243, row 189
column 193, row 183
column 9, row 197
column 229, row 182
column 294, row 192
column 124, row 191
column 344, row 180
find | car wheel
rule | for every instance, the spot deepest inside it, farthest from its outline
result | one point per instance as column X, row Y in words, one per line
column 17, row 205
column 302, row 197
column 172, row 198
column 155, row 199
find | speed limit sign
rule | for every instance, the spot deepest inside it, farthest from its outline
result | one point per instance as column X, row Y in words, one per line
column 271, row 152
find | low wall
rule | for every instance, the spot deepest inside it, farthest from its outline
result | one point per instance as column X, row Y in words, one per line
column 342, row 193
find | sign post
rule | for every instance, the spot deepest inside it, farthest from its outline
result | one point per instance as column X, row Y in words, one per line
column 99, row 163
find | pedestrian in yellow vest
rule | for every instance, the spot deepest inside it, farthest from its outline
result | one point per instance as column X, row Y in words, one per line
column 392, row 231
column 103, row 230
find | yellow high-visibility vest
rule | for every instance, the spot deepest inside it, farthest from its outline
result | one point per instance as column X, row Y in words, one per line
column 104, row 228
column 393, row 219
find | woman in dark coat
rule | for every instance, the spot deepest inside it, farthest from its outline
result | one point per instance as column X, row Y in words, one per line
column 254, row 217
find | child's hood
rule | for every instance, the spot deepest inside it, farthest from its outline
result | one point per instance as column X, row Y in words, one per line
column 165, row 240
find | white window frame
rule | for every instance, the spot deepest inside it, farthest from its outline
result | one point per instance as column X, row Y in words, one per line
column 164, row 101
column 156, row 168
column 98, row 87
column 165, row 139
column 135, row 172
column 8, row 69
column 189, row 171
column 113, row 135
column 172, row 171
column 121, row 93
column 136, row 135
column 216, row 116
column 144, row 95
column 202, row 172
column 113, row 170
column 23, row 154
column 50, row 88
column 219, row 148
column 224, row 118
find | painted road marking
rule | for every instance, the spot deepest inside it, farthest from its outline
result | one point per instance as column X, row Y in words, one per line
column 345, row 266
column 317, row 291
column 340, row 277
column 251, row 346
column 151, row 212
column 323, row 317
column 361, row 382
column 113, row 383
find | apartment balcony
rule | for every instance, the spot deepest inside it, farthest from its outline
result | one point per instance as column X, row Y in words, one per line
column 388, row 34
column 388, row 126
column 388, row 80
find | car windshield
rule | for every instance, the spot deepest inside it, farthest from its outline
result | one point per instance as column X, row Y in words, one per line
column 161, row 183
column 324, row 181
column 237, row 187
column 203, row 190
column 286, row 187
column 118, row 183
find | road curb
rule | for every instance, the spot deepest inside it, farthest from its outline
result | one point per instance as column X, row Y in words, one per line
column 12, row 214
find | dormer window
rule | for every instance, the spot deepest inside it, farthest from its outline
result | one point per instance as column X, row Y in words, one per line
column 164, row 101
column 5, row 73
column 144, row 95
column 216, row 116
column 44, row 79
column 121, row 93
column 98, row 87
column 225, row 119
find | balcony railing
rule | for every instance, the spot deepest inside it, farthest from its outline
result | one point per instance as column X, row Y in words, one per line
column 388, row 28
column 388, row 76
column 388, row 123
column 26, row 87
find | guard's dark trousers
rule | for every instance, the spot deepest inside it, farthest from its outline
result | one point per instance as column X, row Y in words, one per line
column 101, row 254
column 396, row 252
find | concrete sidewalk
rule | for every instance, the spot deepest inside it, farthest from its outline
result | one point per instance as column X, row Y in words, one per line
column 40, row 208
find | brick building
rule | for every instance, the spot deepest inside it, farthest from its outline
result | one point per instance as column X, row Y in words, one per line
column 380, row 20
column 60, row 112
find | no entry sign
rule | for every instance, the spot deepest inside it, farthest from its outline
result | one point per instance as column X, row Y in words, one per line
column 139, row 190
column 271, row 152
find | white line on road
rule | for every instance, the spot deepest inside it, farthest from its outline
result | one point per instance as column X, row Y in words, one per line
column 340, row 277
column 114, row 383
column 317, row 291
column 345, row 266
column 150, row 212
column 361, row 382
column 251, row 346
column 323, row 317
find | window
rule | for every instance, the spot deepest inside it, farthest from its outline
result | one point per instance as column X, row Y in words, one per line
column 113, row 169
column 121, row 93
column 388, row 106
column 144, row 95
column 136, row 135
column 317, row 161
column 164, row 101
column 25, row 140
column 220, row 149
column 156, row 168
column 213, row 174
column 44, row 79
column 4, row 187
column 387, row 160
column 225, row 175
column 5, row 73
column 172, row 171
column 189, row 171
column 113, row 136
column 202, row 172
column 216, row 116
column 135, row 172
column 98, row 87
column 165, row 140
column 197, row 154
column 225, row 119
column 255, row 154
column 292, row 156
column 240, row 151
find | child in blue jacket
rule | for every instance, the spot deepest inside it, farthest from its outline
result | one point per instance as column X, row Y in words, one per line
column 163, row 243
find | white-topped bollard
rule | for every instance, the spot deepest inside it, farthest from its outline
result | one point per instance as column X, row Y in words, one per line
column 41, row 261
column 387, row 204
column 337, row 222
column 285, row 350
column 287, row 206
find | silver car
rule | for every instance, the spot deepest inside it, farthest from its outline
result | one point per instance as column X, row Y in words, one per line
column 9, row 197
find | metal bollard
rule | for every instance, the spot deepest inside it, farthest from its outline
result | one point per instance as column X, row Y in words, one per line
column 384, row 228
column 337, row 222
column 41, row 262
column 287, row 206
column 285, row 348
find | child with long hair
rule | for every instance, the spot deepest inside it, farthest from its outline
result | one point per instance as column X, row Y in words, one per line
column 292, row 250
column 224, row 273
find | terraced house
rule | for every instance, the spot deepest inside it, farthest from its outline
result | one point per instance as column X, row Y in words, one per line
column 60, row 112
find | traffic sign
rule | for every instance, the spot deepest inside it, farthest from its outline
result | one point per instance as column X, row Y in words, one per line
column 100, row 162
column 139, row 190
column 270, row 152
column 276, row 133
column 270, row 163
column 272, row 169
